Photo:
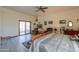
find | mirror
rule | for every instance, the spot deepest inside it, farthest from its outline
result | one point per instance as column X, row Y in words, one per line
column 70, row 23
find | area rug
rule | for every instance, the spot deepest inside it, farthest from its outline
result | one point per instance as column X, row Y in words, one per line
column 27, row 44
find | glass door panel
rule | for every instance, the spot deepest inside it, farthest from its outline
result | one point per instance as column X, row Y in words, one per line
column 27, row 27
column 22, row 27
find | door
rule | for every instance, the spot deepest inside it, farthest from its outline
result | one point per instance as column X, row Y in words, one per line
column 28, row 28
column 24, row 27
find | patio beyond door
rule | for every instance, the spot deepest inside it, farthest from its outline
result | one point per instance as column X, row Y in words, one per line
column 24, row 27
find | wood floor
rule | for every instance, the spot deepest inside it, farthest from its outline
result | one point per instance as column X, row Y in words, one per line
column 34, row 37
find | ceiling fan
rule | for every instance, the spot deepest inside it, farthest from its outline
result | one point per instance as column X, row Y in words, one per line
column 41, row 8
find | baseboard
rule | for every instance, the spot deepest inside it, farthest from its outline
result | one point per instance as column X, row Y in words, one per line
column 8, row 37
column 0, row 37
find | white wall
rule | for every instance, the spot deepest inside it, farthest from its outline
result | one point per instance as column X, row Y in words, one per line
column 70, row 15
column 0, row 22
column 0, row 25
column 9, row 21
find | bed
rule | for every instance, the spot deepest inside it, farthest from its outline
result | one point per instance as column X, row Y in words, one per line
column 54, row 43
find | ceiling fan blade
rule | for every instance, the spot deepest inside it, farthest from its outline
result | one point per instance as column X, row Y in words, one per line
column 42, row 10
column 45, row 8
column 40, row 7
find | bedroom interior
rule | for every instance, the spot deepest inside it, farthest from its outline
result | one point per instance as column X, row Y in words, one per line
column 39, row 29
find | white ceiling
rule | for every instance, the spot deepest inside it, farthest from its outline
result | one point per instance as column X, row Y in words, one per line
column 31, row 9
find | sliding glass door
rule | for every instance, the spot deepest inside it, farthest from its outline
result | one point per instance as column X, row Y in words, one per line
column 27, row 27
column 24, row 27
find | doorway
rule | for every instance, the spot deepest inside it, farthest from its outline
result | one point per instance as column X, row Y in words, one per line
column 24, row 27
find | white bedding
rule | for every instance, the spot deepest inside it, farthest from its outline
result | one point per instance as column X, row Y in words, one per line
column 54, row 43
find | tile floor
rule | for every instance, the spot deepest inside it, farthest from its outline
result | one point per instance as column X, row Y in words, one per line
column 15, row 44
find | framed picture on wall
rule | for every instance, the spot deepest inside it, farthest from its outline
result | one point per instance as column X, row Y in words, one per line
column 45, row 22
column 77, row 20
column 34, row 24
column 50, row 22
column 62, row 21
